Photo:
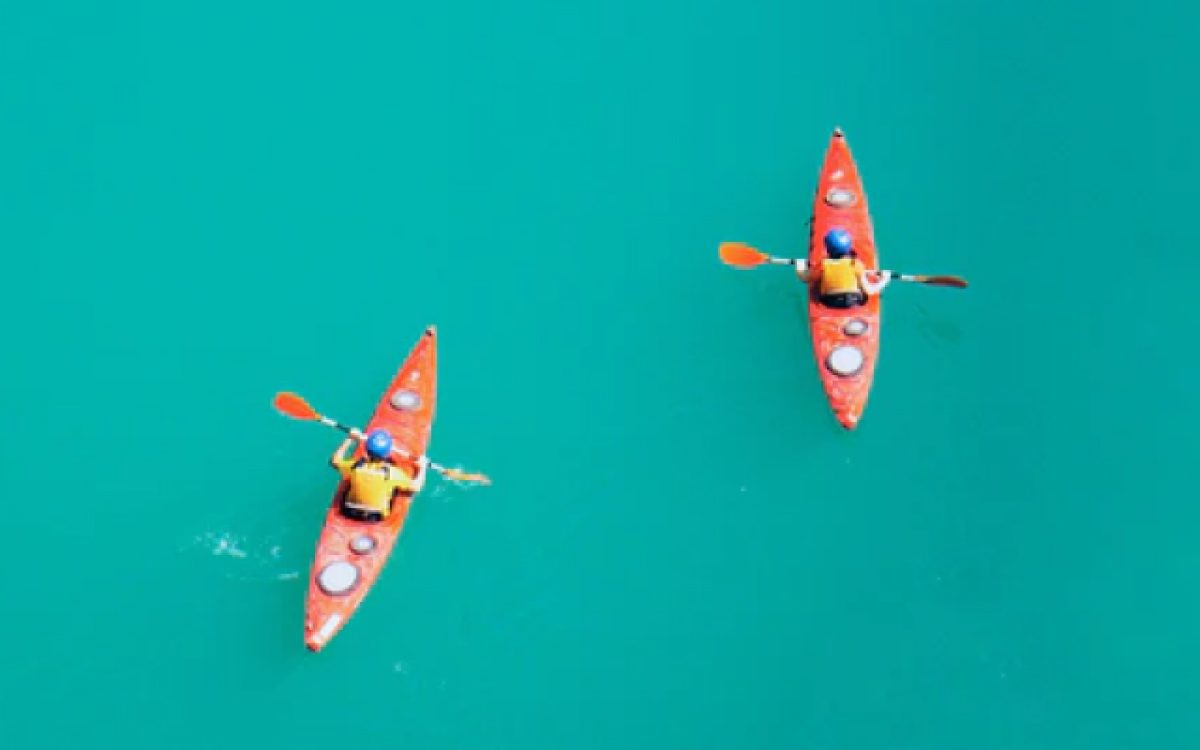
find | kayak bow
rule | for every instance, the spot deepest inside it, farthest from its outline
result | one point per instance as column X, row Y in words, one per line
column 350, row 553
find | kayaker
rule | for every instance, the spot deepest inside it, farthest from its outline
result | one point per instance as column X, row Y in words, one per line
column 843, row 280
column 374, row 479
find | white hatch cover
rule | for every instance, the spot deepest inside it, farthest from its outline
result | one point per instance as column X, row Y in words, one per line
column 362, row 544
column 845, row 360
column 405, row 400
column 338, row 578
column 855, row 327
column 840, row 197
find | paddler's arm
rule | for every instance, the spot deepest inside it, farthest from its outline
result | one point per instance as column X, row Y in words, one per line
column 338, row 459
column 401, row 481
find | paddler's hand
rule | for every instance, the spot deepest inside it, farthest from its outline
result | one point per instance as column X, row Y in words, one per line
column 801, row 266
column 357, row 434
column 422, row 472
column 881, row 280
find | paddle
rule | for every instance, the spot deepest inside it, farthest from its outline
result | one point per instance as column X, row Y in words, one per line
column 294, row 406
column 743, row 256
column 957, row 282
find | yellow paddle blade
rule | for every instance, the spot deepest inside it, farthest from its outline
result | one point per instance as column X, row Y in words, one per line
column 462, row 476
column 741, row 255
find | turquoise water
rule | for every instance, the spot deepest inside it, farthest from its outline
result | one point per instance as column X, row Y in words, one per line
column 204, row 203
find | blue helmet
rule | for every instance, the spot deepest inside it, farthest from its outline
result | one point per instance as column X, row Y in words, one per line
column 379, row 444
column 838, row 243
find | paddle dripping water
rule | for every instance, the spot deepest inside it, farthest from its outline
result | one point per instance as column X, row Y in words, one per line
column 351, row 553
column 846, row 342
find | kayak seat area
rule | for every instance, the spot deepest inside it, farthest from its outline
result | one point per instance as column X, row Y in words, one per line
column 365, row 516
column 843, row 301
column 356, row 514
column 814, row 291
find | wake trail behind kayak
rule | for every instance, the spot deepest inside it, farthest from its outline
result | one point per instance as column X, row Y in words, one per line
column 243, row 558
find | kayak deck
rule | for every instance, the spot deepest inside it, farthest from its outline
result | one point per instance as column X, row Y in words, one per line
column 845, row 342
column 351, row 553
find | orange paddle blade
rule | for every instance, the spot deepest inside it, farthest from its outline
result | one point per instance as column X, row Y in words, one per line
column 294, row 406
column 739, row 254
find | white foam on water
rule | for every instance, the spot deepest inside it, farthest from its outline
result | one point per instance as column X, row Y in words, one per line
column 251, row 559
column 222, row 544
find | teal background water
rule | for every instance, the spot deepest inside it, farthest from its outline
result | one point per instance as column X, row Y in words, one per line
column 203, row 203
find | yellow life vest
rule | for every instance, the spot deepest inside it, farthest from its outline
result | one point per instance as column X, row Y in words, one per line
column 840, row 276
column 372, row 484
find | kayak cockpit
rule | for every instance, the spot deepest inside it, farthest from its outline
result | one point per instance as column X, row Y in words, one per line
column 361, row 514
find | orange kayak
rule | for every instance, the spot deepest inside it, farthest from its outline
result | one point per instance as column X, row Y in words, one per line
column 846, row 342
column 351, row 553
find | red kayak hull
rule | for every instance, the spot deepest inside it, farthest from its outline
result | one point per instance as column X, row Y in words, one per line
column 350, row 553
column 845, row 342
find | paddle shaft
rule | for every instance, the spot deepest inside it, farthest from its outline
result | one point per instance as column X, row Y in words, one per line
column 916, row 278
column 356, row 433
column 293, row 405
column 339, row 426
